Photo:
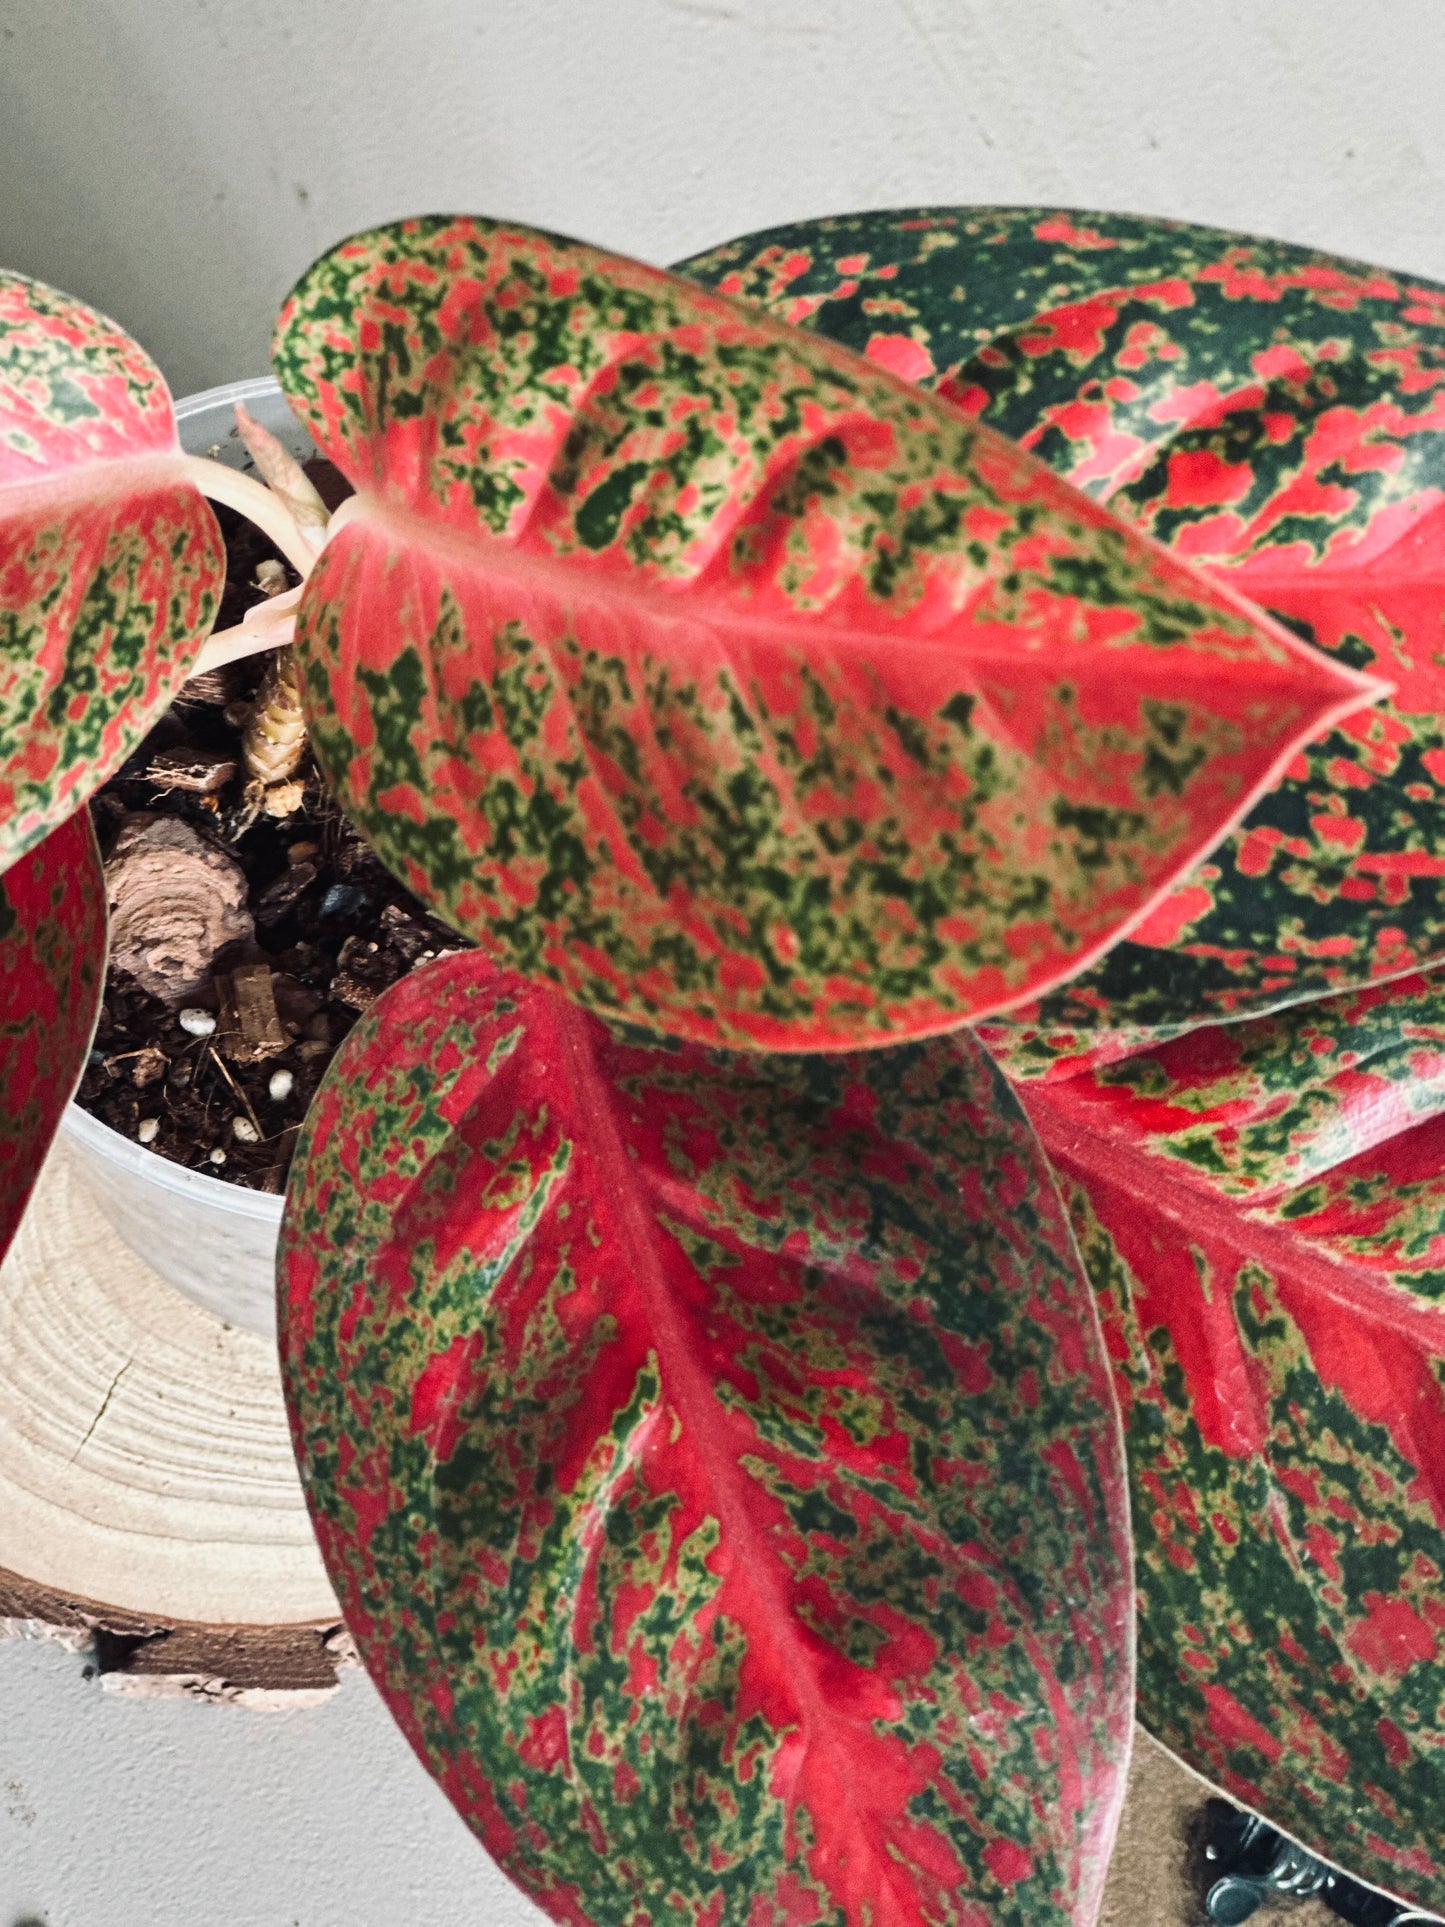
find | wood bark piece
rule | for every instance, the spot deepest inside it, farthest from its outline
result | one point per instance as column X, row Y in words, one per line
column 250, row 1029
column 215, row 686
column 180, row 769
column 143, row 1656
column 147, row 1485
column 174, row 900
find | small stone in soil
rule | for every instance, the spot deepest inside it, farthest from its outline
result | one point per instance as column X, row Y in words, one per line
column 343, row 900
column 197, row 1023
column 147, row 1130
column 362, row 974
column 281, row 1085
column 179, row 769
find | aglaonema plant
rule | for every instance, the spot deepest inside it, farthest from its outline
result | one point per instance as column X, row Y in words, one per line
column 703, row 1407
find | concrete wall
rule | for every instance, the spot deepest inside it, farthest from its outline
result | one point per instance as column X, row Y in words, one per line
column 179, row 161
column 165, row 1813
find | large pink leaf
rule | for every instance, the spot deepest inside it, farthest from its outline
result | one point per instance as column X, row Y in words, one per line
column 111, row 563
column 1270, row 411
column 52, row 967
column 710, row 673
column 715, row 1460
column 1262, row 1209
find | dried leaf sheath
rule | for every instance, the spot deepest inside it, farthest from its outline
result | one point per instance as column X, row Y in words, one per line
column 708, row 673
column 274, row 741
column 285, row 477
column 714, row 1457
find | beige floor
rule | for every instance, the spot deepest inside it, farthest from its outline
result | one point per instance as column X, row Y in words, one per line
column 1147, row 1885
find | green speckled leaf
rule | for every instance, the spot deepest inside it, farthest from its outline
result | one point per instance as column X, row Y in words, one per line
column 1271, row 412
column 719, row 678
column 52, row 967
column 111, row 563
column 1267, row 1237
column 715, row 1460
column 1260, row 1108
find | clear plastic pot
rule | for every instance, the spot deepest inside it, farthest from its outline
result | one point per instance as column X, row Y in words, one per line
column 215, row 1242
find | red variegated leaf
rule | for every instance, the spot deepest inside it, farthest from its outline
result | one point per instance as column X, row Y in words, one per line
column 1269, row 411
column 52, row 967
column 1262, row 1209
column 715, row 1459
column 111, row 563
column 719, row 678
column 1260, row 1108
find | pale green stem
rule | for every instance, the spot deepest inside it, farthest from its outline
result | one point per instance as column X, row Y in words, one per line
column 256, row 502
column 268, row 512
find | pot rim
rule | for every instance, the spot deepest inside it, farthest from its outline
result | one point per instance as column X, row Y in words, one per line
column 253, row 387
column 149, row 1166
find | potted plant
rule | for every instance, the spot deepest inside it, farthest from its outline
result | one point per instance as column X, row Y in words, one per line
column 174, row 1070
column 699, row 1394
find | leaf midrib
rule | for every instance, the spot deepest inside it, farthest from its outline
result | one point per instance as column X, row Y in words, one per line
column 686, row 1389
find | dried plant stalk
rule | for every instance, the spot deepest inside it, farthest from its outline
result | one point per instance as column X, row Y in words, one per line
column 289, row 509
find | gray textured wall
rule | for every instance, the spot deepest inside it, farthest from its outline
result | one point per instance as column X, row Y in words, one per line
column 178, row 162
column 165, row 1813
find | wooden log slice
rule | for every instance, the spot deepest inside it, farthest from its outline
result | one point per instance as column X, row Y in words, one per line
column 148, row 1495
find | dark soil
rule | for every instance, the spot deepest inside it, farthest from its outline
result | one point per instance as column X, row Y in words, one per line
column 333, row 929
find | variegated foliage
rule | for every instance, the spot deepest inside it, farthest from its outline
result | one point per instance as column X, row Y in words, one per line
column 715, row 1458
column 1262, row 1210
column 719, row 678
column 111, row 564
column 1272, row 413
column 52, row 966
